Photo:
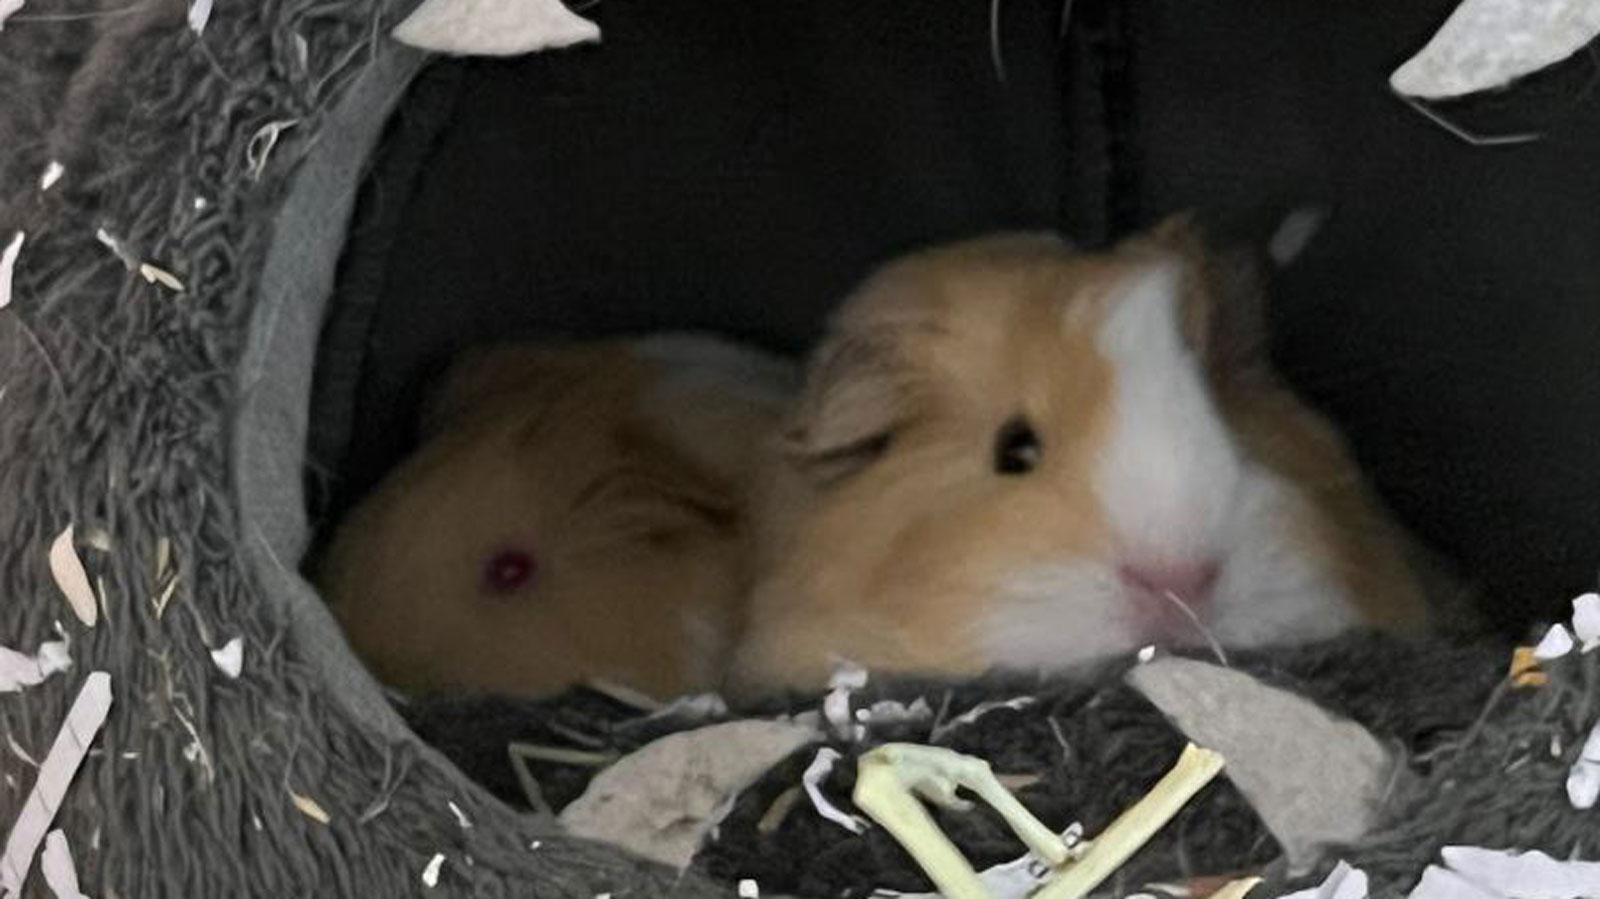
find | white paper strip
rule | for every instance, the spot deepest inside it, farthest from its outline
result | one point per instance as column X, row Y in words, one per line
column 8, row 263
column 84, row 719
column 7, row 7
column 18, row 670
column 1583, row 782
column 60, row 874
column 229, row 658
column 1556, row 643
column 1586, row 620
column 199, row 15
column 1524, row 875
column 1343, row 882
column 1443, row 883
column 52, row 174
column 815, row 774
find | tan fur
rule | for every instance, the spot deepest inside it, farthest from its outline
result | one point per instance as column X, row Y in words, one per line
column 884, row 518
column 638, row 549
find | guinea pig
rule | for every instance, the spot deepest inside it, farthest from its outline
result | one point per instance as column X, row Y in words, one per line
column 573, row 512
column 1008, row 453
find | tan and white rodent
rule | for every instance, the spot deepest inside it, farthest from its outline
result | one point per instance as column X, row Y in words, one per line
column 1011, row 454
column 573, row 512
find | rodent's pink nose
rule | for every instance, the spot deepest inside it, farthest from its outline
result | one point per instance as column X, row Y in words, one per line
column 1190, row 582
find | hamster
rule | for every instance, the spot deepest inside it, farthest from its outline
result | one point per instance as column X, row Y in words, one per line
column 573, row 512
column 1008, row 453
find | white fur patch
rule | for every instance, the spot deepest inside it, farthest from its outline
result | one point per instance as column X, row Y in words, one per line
column 1273, row 587
column 1168, row 472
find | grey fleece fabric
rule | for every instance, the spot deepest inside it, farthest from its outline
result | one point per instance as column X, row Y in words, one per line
column 165, row 418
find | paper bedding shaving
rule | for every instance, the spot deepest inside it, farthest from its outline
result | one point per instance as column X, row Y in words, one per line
column 1485, row 765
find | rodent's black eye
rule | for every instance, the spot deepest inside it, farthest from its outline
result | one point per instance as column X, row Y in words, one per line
column 1016, row 447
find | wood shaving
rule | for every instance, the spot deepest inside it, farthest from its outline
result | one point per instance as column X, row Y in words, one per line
column 156, row 275
column 1525, row 668
column 160, row 600
column 73, row 580
column 163, row 557
column 778, row 811
column 309, row 808
column 19, row 752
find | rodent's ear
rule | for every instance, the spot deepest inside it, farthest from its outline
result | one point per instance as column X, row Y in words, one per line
column 1294, row 232
column 1224, row 291
column 1236, row 315
column 1179, row 232
column 857, row 392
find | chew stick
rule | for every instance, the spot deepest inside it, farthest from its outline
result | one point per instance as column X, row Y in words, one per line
column 880, row 793
column 1133, row 828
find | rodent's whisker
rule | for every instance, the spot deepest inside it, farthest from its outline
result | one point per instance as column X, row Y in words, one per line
column 1216, row 647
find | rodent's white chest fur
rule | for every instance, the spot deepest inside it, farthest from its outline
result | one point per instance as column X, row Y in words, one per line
column 1172, row 484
